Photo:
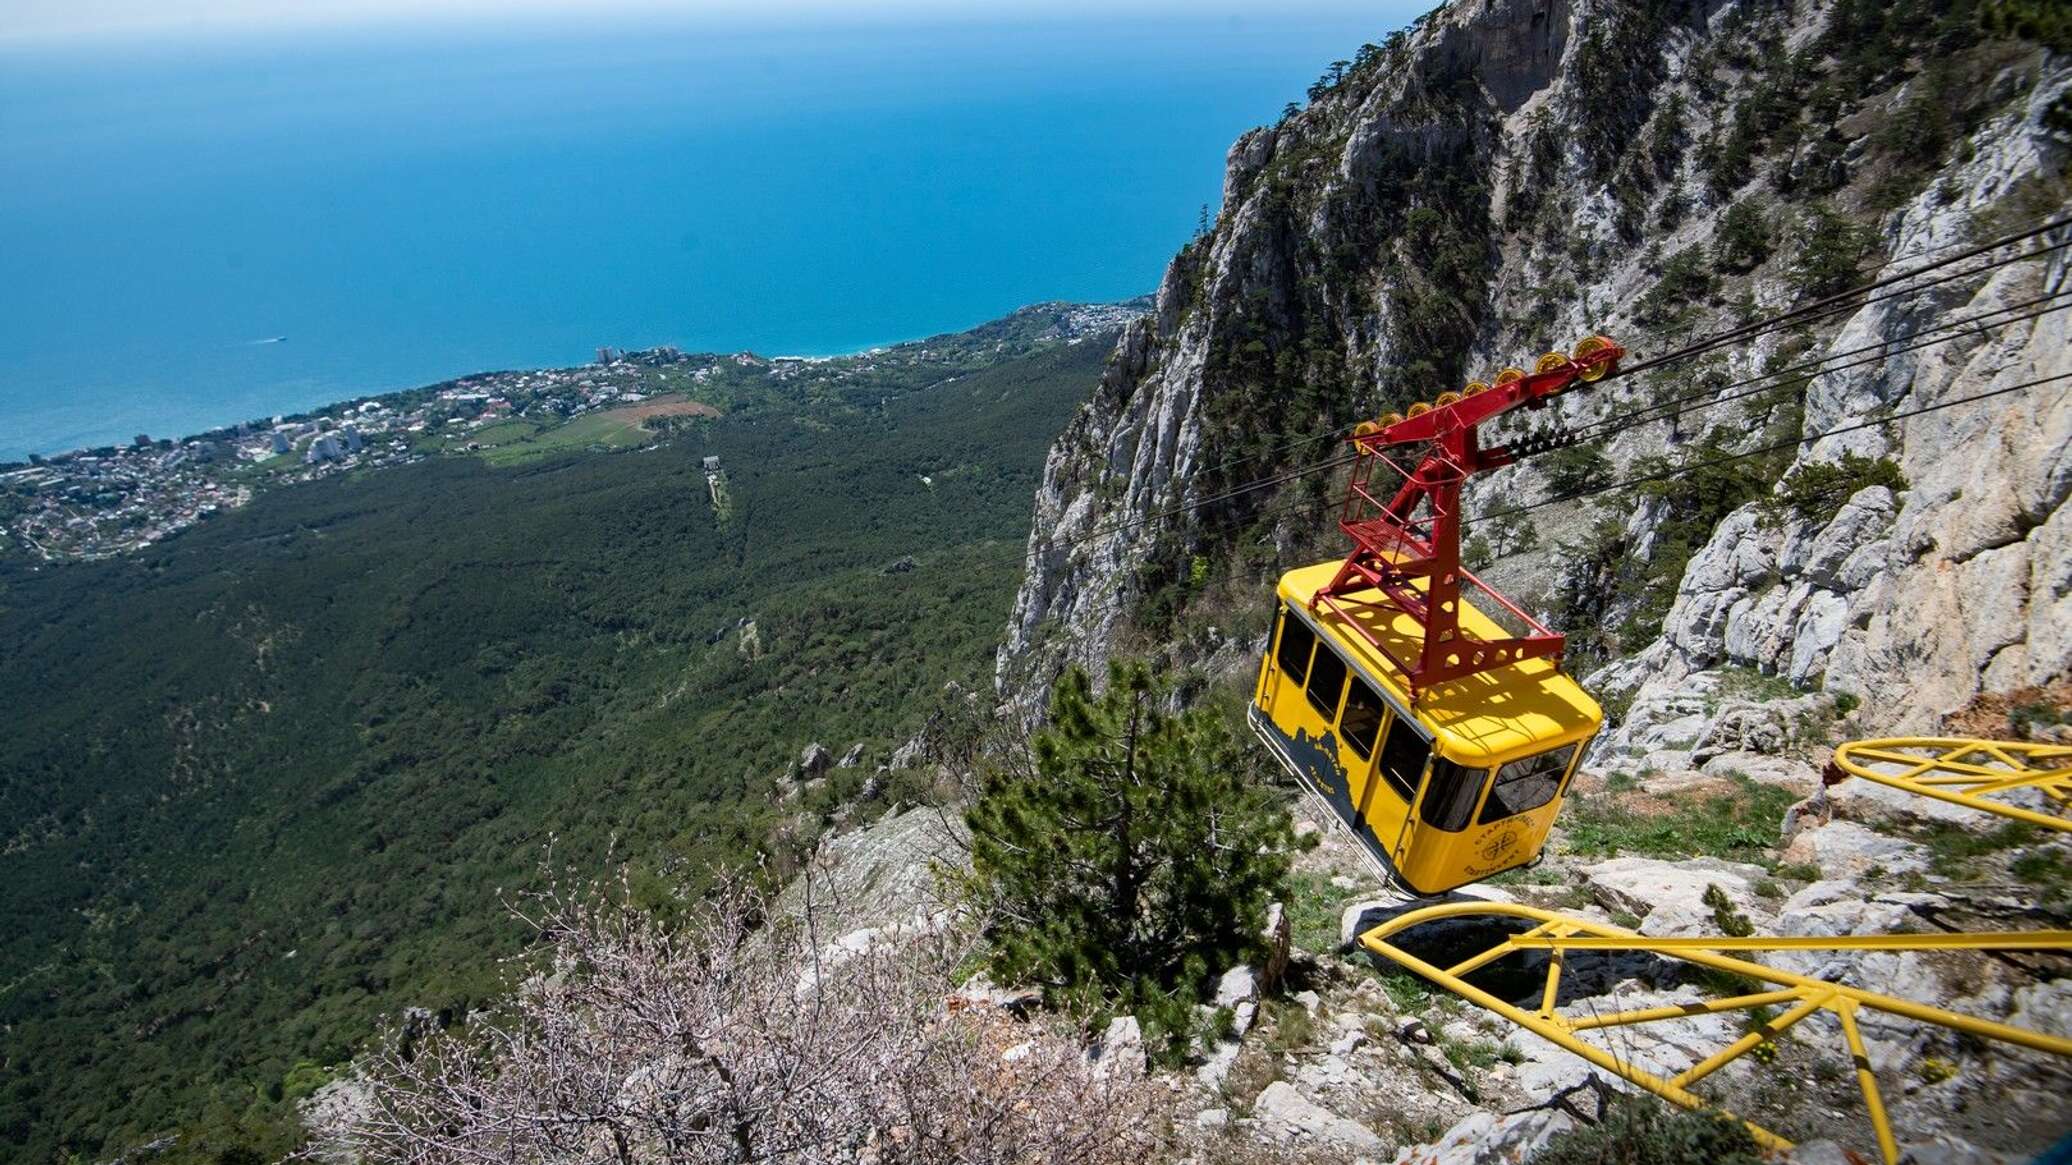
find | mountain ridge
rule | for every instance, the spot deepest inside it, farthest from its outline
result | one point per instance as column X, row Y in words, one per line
column 1508, row 177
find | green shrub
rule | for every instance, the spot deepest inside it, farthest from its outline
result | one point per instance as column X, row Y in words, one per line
column 2047, row 22
column 1132, row 855
column 1817, row 490
column 1685, row 280
column 1830, row 250
column 1743, row 239
column 2024, row 719
column 1577, row 468
column 1645, row 1131
column 1729, row 920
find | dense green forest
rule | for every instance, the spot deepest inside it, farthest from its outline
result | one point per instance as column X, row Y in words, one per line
column 262, row 784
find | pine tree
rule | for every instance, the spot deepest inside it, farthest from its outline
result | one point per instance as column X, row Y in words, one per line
column 1135, row 856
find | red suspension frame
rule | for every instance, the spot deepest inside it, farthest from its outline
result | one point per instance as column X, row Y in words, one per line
column 1414, row 533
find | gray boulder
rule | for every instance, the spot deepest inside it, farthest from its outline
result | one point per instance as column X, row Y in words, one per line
column 1765, row 728
column 1293, row 1116
column 815, row 760
column 1238, row 990
column 1120, row 1048
column 1640, row 886
column 1485, row 1138
column 1842, row 849
column 1276, row 936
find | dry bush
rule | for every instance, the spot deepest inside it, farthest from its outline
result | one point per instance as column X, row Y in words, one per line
column 746, row 1037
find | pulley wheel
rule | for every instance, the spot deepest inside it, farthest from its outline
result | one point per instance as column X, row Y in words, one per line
column 1590, row 346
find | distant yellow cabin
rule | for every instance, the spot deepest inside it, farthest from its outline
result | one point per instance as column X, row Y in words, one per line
column 1463, row 784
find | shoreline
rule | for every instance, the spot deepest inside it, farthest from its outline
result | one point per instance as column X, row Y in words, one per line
column 108, row 500
column 1137, row 304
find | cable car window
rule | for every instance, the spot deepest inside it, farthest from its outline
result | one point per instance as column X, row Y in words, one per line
column 1526, row 783
column 1296, row 641
column 1326, row 682
column 1403, row 758
column 1450, row 798
column 1362, row 720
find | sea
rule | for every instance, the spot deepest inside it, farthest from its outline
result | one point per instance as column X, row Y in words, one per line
column 199, row 229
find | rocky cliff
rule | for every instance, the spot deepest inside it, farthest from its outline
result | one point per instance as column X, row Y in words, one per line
column 1509, row 175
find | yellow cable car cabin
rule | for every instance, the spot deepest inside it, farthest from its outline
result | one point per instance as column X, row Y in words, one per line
column 1446, row 790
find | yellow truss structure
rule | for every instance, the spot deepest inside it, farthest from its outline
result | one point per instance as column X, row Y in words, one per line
column 1967, row 772
column 1800, row 995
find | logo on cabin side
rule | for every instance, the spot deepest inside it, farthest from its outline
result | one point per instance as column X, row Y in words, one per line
column 1500, row 846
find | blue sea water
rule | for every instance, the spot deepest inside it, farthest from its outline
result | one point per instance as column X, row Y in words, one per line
column 412, row 204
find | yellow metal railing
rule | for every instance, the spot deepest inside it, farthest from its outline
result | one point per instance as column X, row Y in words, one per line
column 1968, row 772
column 1558, row 934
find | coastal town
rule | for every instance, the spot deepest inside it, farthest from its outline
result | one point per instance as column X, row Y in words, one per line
column 98, row 503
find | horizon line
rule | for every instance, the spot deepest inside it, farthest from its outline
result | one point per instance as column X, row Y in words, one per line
column 58, row 24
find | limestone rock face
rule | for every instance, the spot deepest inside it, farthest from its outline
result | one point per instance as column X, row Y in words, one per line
column 1842, row 849
column 1294, row 1117
column 1642, row 885
column 885, row 874
column 1913, row 604
column 1488, row 1139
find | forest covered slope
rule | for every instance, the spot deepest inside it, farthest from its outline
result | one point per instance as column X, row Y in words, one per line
column 264, row 782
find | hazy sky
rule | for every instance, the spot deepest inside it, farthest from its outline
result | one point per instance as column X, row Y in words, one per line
column 46, row 21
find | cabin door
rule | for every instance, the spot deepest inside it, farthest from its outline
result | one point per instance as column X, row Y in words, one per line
column 1398, row 773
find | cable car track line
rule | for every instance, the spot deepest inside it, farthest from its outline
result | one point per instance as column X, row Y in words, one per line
column 1763, row 327
column 1797, row 317
column 1812, row 366
column 1826, row 309
column 1812, row 370
column 1809, row 439
column 1849, row 299
column 1781, row 322
column 1628, row 483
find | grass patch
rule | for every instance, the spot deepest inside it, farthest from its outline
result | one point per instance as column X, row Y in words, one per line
column 610, row 430
column 1746, row 683
column 1717, row 982
column 1527, row 876
column 1740, row 824
column 1315, row 908
column 2046, row 869
column 1293, row 1027
column 1406, row 991
column 1955, row 850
